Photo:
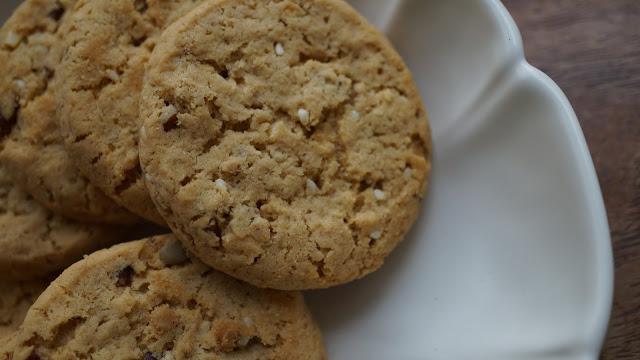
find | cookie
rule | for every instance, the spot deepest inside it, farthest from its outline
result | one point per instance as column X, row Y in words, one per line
column 15, row 299
column 284, row 142
column 103, row 70
column 30, row 51
column 34, row 242
column 147, row 300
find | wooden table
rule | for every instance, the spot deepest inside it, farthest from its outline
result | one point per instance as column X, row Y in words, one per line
column 591, row 48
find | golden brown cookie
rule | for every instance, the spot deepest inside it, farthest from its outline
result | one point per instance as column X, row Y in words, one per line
column 103, row 70
column 285, row 142
column 34, row 242
column 15, row 300
column 33, row 151
column 147, row 300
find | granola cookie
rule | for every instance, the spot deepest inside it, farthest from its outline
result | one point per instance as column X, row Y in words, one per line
column 284, row 142
column 35, row 243
column 109, row 45
column 147, row 300
column 33, row 148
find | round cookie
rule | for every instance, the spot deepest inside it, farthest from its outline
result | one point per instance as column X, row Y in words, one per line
column 30, row 51
column 103, row 68
column 146, row 300
column 284, row 142
column 15, row 300
column 36, row 242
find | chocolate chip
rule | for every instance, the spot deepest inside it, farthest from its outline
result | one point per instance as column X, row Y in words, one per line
column 149, row 356
column 171, row 124
column 33, row 356
column 125, row 277
column 137, row 41
column 48, row 73
column 6, row 125
column 56, row 14
column 141, row 6
column 224, row 73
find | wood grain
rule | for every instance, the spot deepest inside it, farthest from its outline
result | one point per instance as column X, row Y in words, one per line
column 592, row 49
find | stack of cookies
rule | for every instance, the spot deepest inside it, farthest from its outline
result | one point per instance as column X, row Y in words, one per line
column 277, row 146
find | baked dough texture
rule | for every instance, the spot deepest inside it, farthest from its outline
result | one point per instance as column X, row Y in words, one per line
column 16, row 297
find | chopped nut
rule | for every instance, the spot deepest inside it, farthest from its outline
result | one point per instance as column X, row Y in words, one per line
column 408, row 173
column 375, row 235
column 312, row 186
column 244, row 340
column 355, row 114
column 113, row 75
column 143, row 131
column 379, row 194
column 12, row 40
column 172, row 253
column 20, row 84
column 279, row 49
column 221, row 184
column 168, row 112
column 303, row 115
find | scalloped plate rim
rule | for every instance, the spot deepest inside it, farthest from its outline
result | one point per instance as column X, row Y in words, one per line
column 598, row 211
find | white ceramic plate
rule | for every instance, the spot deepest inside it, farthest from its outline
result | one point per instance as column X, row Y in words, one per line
column 511, row 256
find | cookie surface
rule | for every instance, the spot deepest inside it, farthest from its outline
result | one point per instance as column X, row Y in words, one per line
column 33, row 151
column 103, row 71
column 35, row 242
column 146, row 300
column 15, row 300
column 285, row 142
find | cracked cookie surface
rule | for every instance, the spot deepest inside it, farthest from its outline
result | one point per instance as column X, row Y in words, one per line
column 284, row 142
column 109, row 44
column 35, row 242
column 147, row 300
column 15, row 300
column 33, row 148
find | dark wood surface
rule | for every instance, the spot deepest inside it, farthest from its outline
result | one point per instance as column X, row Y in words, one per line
column 591, row 48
